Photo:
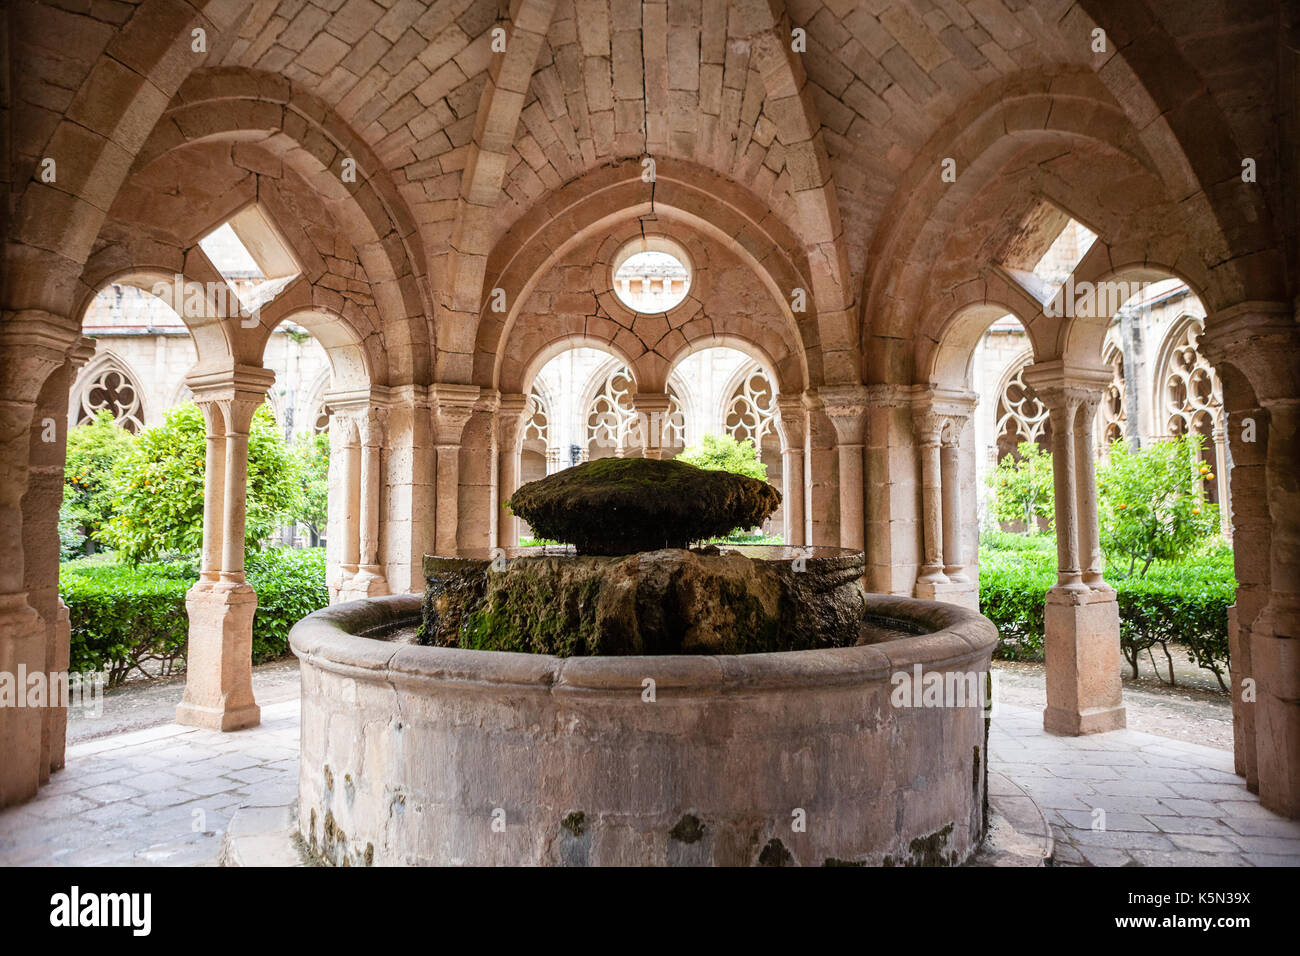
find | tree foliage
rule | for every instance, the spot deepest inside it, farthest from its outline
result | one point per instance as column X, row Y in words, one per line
column 312, row 453
column 725, row 453
column 94, row 447
column 1022, row 486
column 1152, row 502
column 157, row 488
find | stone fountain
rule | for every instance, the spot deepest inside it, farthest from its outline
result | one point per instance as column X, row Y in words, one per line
column 634, row 700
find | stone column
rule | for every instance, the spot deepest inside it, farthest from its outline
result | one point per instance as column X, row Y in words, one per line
column 349, row 467
column 1221, row 475
column 40, row 546
column 1084, row 692
column 1275, row 638
column 214, row 490
column 929, row 427
column 1254, row 347
column 32, row 346
column 513, row 414
column 652, row 423
column 954, row 559
column 452, row 407
column 1085, row 470
column 821, row 511
column 791, row 419
column 408, row 487
column 364, row 506
column 219, row 665
column 846, row 406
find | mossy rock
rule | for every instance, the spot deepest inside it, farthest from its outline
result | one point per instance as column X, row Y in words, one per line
column 626, row 505
column 708, row 601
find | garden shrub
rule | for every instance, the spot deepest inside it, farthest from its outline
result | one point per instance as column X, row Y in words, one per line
column 725, row 453
column 1183, row 602
column 132, row 619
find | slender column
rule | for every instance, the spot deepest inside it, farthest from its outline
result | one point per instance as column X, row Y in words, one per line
column 214, row 489
column 371, row 441
column 954, row 567
column 1221, row 471
column 350, row 470
column 1085, row 461
column 238, row 413
column 929, row 426
column 1081, row 620
column 452, row 407
column 791, row 418
column 846, row 406
column 652, row 421
column 219, row 674
column 1062, row 414
column 364, row 504
column 513, row 413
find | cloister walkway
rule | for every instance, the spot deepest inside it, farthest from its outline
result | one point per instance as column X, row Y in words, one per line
column 164, row 796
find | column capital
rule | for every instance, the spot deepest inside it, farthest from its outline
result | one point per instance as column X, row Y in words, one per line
column 939, row 414
column 513, row 412
column 846, row 407
column 650, row 402
column 452, row 407
column 1067, row 386
column 790, row 413
column 33, row 343
column 236, row 389
column 1260, row 340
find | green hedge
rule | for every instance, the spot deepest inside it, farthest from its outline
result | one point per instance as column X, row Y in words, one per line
column 126, row 617
column 1184, row 603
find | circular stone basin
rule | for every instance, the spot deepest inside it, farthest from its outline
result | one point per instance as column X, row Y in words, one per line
column 873, row 754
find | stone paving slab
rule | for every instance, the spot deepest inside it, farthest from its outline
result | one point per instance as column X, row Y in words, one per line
column 1162, row 802
column 165, row 796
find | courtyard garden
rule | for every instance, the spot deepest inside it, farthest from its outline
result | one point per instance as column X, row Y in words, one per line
column 1171, row 570
column 131, row 527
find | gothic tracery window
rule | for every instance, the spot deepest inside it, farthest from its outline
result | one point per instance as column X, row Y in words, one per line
column 538, row 425
column 611, row 417
column 751, row 410
column 1193, row 398
column 1114, row 408
column 1021, row 416
column 111, row 390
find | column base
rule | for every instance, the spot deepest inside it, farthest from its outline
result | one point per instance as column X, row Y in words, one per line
column 365, row 583
column 218, row 718
column 219, row 662
column 1069, row 723
column 961, row 593
column 1084, row 690
column 22, row 651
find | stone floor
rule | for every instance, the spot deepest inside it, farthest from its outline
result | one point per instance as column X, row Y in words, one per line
column 163, row 796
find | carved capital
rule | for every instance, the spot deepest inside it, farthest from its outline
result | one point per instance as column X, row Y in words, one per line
column 1261, row 341
column 1066, row 387
column 790, row 417
column 846, row 407
column 513, row 412
column 236, row 389
column 452, row 407
column 939, row 415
